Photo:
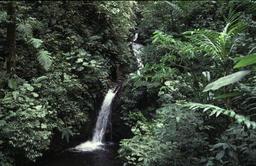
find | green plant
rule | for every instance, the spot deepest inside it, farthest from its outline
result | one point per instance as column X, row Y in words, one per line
column 168, row 139
column 27, row 121
column 214, row 110
column 25, row 29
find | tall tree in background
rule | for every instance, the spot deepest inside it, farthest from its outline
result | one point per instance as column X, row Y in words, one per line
column 11, row 37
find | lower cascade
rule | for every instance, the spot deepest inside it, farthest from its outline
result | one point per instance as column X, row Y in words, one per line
column 101, row 124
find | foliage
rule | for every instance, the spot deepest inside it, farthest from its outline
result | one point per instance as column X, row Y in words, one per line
column 3, row 16
column 192, row 44
column 227, row 80
column 70, row 52
column 214, row 110
column 246, row 61
column 221, row 44
column 44, row 59
column 24, row 106
column 79, row 58
column 169, row 139
column 236, row 146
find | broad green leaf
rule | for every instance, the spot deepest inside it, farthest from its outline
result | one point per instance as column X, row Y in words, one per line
column 28, row 87
column 39, row 79
column 246, row 61
column 15, row 94
column 227, row 80
column 227, row 95
column 43, row 126
column 12, row 83
column 35, row 94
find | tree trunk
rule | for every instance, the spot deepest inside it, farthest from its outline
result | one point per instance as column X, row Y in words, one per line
column 11, row 37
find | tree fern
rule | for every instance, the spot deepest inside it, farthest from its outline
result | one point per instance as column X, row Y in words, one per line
column 214, row 110
column 44, row 59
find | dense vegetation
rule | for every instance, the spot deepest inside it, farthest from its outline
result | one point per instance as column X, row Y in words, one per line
column 193, row 102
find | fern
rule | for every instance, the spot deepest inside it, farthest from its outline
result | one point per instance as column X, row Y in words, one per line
column 36, row 43
column 3, row 16
column 176, row 10
column 214, row 110
column 25, row 30
column 44, row 59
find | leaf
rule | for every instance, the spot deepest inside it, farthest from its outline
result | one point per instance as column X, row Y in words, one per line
column 43, row 126
column 3, row 16
column 15, row 94
column 79, row 60
column 177, row 119
column 246, row 61
column 218, row 113
column 227, row 95
column 28, row 87
column 227, row 80
column 12, row 83
column 44, row 59
column 35, row 94
column 213, row 112
column 38, row 107
column 25, row 30
column 39, row 79
column 36, row 43
column 220, row 155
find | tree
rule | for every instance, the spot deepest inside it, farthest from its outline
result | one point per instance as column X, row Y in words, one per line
column 11, row 37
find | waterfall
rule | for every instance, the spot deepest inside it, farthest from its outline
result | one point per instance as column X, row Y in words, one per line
column 137, row 51
column 101, row 124
column 103, row 117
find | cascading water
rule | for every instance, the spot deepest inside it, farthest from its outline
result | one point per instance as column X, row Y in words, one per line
column 137, row 51
column 103, row 117
column 94, row 152
column 101, row 124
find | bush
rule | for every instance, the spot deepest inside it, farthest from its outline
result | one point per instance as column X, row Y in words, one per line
column 173, row 137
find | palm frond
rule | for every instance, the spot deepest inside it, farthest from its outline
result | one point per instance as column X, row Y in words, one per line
column 214, row 110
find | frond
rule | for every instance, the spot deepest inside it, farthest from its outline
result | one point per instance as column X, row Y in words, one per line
column 226, row 80
column 3, row 16
column 176, row 9
column 44, row 59
column 36, row 43
column 25, row 30
column 214, row 110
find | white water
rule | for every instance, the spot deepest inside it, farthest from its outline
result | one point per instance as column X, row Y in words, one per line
column 137, row 51
column 101, row 124
column 103, row 117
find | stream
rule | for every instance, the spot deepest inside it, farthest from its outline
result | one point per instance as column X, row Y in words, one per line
column 104, row 157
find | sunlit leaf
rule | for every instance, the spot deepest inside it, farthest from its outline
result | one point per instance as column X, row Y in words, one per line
column 246, row 61
column 227, row 80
